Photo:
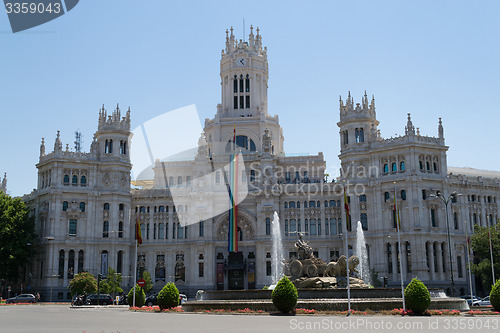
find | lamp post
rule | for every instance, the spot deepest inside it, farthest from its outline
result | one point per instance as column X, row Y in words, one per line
column 446, row 201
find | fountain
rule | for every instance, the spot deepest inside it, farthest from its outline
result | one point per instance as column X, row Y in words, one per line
column 277, row 251
column 362, row 253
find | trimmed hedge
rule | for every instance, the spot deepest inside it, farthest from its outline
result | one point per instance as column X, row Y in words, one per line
column 417, row 296
column 495, row 296
column 285, row 295
column 168, row 296
column 140, row 296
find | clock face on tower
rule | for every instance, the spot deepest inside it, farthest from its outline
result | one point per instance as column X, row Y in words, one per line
column 241, row 61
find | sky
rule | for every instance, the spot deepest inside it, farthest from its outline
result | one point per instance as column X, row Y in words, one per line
column 428, row 58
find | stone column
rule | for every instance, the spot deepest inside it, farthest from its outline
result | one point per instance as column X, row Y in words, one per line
column 439, row 255
column 430, row 249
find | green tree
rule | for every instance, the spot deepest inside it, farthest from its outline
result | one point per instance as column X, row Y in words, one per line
column 149, row 284
column 112, row 283
column 83, row 283
column 140, row 296
column 17, row 233
column 481, row 246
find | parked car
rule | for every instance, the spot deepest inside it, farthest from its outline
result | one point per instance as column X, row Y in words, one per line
column 182, row 299
column 23, row 298
column 482, row 302
column 467, row 298
column 104, row 299
column 152, row 300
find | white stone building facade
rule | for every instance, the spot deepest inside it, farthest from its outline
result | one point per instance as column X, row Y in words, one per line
column 86, row 210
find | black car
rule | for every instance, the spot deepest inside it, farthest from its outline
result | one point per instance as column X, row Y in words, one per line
column 104, row 299
column 152, row 300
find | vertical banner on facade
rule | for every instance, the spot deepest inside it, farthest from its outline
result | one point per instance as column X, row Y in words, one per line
column 220, row 276
column 104, row 263
column 251, row 275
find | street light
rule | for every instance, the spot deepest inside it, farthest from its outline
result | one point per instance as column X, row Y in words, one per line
column 446, row 201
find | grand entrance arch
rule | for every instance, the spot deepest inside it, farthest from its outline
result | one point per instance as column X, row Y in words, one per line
column 239, row 271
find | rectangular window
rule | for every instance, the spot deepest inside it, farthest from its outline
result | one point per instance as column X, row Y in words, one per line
column 201, row 272
column 268, row 226
column 161, row 231
column 433, row 217
column 235, row 103
column 247, row 102
column 459, row 267
column 201, row 232
column 72, row 228
column 242, row 104
column 268, row 268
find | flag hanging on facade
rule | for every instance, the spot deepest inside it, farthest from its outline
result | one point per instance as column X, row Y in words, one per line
column 138, row 234
column 233, row 211
column 347, row 214
column 397, row 220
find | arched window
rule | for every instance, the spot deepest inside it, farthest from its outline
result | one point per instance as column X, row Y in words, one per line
column 123, row 147
column 428, row 166
column 421, row 165
column 455, row 219
column 66, row 180
column 346, row 137
column 387, row 196
column 362, row 198
column 161, row 209
column 326, row 203
column 65, row 206
column 106, row 206
column 80, row 261
column 356, row 135
column 394, row 167
column 286, row 204
column 120, row 207
column 312, row 204
column 298, row 204
column 247, row 84
column 71, row 264
column 408, row 257
column 61, row 264
column 171, row 181
column 105, row 229
column 361, row 135
column 252, row 175
column 332, row 203
column 119, row 262
column 179, row 181
column 110, row 148
column 82, row 206
column 402, row 166
column 389, row 258
column 434, row 165
column 188, row 181
column 293, row 226
column 291, row 204
column 74, row 180
column 120, row 229
column 235, row 85
column 386, row 168
column 241, row 83
column 83, row 181
column 403, row 194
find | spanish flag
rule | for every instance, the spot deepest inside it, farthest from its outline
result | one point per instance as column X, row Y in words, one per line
column 138, row 235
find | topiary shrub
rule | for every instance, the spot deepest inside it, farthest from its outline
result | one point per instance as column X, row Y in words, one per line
column 168, row 296
column 285, row 295
column 140, row 297
column 495, row 296
column 417, row 297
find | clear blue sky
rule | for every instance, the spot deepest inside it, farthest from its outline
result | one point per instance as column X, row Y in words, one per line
column 428, row 58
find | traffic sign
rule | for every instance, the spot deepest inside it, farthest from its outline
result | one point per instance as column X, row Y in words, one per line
column 141, row 283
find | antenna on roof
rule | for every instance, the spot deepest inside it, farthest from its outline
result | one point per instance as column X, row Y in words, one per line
column 78, row 141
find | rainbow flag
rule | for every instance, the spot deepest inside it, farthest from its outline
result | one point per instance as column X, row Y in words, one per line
column 232, row 245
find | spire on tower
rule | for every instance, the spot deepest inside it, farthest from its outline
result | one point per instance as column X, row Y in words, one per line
column 42, row 147
column 58, row 143
column 440, row 129
column 409, row 129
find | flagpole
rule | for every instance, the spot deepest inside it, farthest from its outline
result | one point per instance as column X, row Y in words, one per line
column 399, row 249
column 135, row 271
column 346, row 204
column 468, row 261
column 491, row 253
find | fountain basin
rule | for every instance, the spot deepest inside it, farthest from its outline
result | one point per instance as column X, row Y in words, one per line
column 375, row 299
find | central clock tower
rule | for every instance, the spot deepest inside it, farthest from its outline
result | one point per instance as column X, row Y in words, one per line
column 243, row 108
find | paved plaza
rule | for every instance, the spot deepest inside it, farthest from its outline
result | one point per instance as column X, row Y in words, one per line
column 63, row 319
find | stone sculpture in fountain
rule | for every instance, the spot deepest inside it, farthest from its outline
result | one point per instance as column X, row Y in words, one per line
column 307, row 271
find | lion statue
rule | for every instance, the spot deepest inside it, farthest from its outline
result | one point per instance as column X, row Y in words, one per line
column 339, row 268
